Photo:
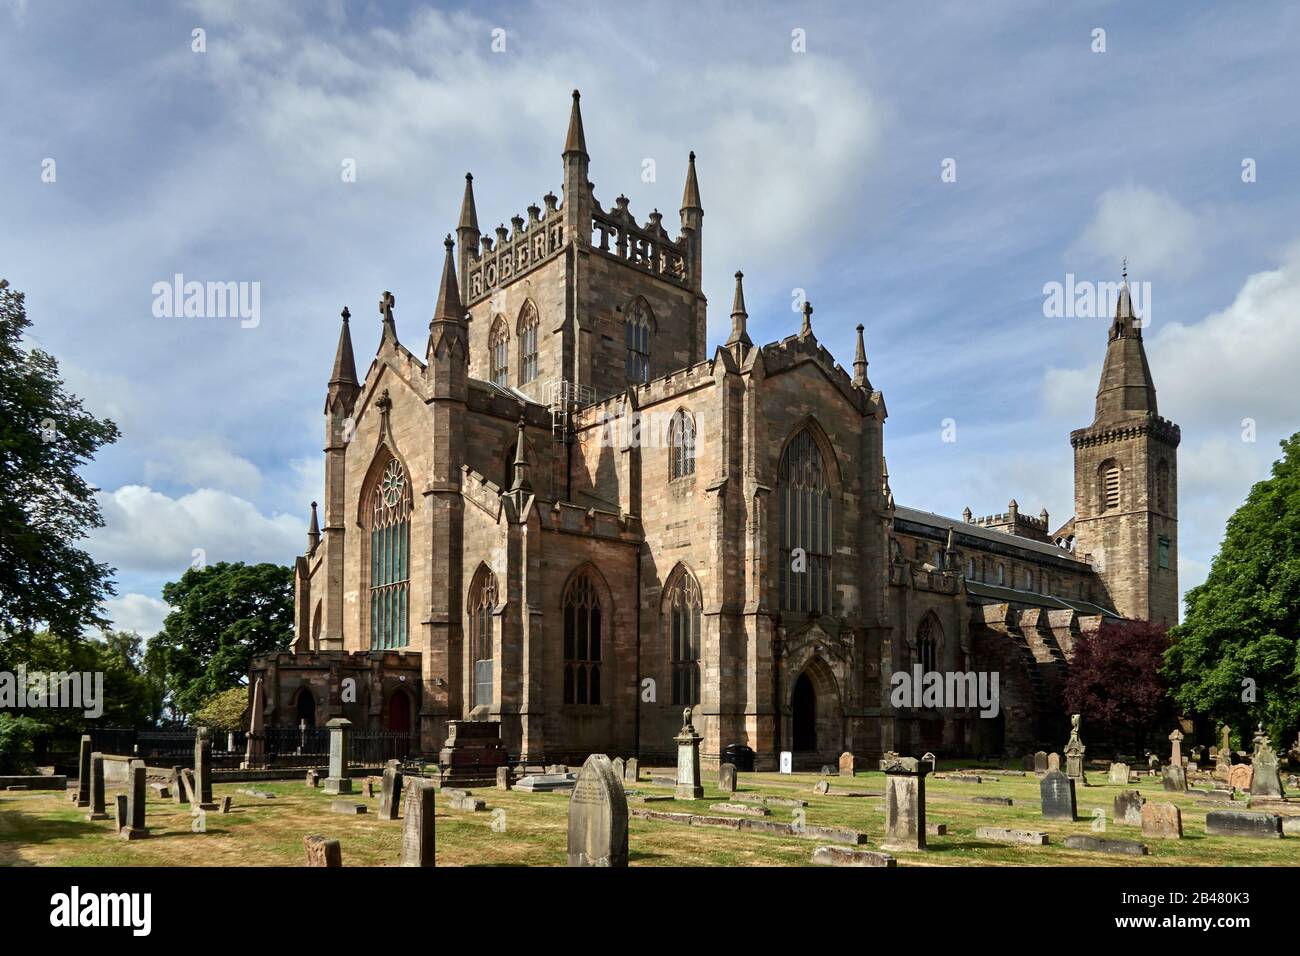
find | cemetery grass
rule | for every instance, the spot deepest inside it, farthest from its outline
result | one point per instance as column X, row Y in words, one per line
column 42, row 828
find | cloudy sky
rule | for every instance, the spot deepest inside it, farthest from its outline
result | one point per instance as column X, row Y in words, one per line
column 823, row 135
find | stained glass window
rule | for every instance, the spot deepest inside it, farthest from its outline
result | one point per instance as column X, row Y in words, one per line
column 804, row 502
column 390, row 549
column 684, row 611
column 582, row 642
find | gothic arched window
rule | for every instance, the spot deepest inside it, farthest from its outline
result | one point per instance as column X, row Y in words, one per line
column 927, row 645
column 583, row 630
column 681, row 445
column 390, row 564
column 684, row 612
column 637, row 327
column 499, row 352
column 804, row 501
column 529, row 321
column 482, row 603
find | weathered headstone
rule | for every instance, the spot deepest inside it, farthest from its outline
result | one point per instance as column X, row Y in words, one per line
column 688, row 762
column 122, row 806
column 347, row 807
column 1243, row 823
column 1162, row 820
column 1053, row 762
column 135, row 828
column 845, row 856
column 163, row 790
column 225, row 804
column 505, row 779
column 1264, row 778
column 1176, row 748
column 84, row 771
column 1128, row 808
column 1103, row 845
column 178, row 785
column 390, row 792
column 340, row 732
column 632, row 770
column 847, row 764
column 418, row 826
column 1057, row 792
column 1003, row 835
column 598, row 811
column 1119, row 773
column 1240, row 777
column 930, row 762
column 1174, row 779
column 727, row 778
column 904, row 803
column 187, row 781
column 322, row 852
column 1040, row 762
column 203, row 768
column 1074, row 750
column 822, row 787
column 787, row 762
column 313, row 778
column 370, row 786
column 618, row 766
column 95, row 784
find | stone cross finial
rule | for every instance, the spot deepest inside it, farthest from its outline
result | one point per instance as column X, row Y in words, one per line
column 687, row 726
column 806, row 329
column 386, row 303
column 345, row 313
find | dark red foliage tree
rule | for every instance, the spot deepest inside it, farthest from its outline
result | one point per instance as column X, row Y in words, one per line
column 1115, row 682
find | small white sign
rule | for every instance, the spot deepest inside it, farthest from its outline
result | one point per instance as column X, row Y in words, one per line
column 787, row 762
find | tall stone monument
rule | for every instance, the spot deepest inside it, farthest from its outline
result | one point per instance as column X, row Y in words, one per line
column 904, row 803
column 1074, row 749
column 1264, row 779
column 340, row 732
column 137, row 788
column 418, row 827
column 598, row 813
column 390, row 793
column 95, row 783
column 203, row 769
column 255, row 748
column 1176, row 748
column 688, row 761
column 82, row 794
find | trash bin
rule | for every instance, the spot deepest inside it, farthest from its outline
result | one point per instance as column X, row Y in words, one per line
column 740, row 756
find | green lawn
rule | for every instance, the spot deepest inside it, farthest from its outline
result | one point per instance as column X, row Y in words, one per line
column 43, row 828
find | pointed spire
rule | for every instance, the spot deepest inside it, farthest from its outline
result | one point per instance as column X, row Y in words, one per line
column 805, row 330
column 966, row 515
column 860, row 362
column 950, row 550
column 386, row 303
column 691, row 194
column 1126, row 389
column 345, row 366
column 313, row 532
column 576, row 141
column 468, row 214
column 448, row 308
column 739, row 317
column 521, row 482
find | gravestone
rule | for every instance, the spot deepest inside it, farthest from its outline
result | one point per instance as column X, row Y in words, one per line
column 178, row 785
column 1040, row 762
column 390, row 792
column 1003, row 835
column 787, row 762
column 1240, row 777
column 632, row 770
column 1176, row 748
column 164, row 792
column 418, row 827
column 340, row 734
column 904, row 803
column 727, row 778
column 618, row 767
column 1264, row 778
column 1057, row 792
column 135, row 828
column 347, row 807
column 1243, row 823
column 471, row 753
column 187, row 781
column 598, row 812
column 370, row 786
column 827, row 770
column 1162, row 820
column 928, row 759
column 1053, row 762
column 1175, row 779
column 203, row 769
column 1128, row 808
column 1102, row 845
column 822, row 787
column 847, row 764
column 505, row 780
column 225, row 804
column 1119, row 773
column 845, row 856
column 1027, row 762
column 122, row 805
column 84, row 771
column 313, row 778
column 688, row 765
column 1074, row 750
column 95, row 783
column 322, row 852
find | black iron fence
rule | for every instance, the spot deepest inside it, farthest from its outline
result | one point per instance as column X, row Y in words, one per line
column 279, row 746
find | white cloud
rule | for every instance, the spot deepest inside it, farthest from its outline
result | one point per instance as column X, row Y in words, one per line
column 137, row 612
column 149, row 531
column 204, row 462
column 1159, row 236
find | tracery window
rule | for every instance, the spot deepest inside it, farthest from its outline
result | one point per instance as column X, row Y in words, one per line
column 927, row 647
column 529, row 321
column 499, row 352
column 390, row 548
column 637, row 326
column 681, row 445
column 482, row 622
column 583, row 631
column 684, row 613
column 804, row 502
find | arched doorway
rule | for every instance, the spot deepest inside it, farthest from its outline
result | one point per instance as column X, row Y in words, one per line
column 803, row 709
column 306, row 708
column 399, row 713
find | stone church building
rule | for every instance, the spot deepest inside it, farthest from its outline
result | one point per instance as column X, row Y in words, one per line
column 556, row 509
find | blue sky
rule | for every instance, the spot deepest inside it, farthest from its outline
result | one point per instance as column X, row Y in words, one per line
column 819, row 170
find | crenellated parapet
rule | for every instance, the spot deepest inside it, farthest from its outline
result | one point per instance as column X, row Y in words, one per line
column 516, row 251
column 648, row 247
column 592, row 522
column 1162, row 429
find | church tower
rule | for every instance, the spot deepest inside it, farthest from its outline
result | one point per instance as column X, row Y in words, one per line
column 1126, row 481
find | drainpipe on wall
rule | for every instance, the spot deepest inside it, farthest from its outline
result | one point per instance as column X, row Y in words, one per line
column 636, row 718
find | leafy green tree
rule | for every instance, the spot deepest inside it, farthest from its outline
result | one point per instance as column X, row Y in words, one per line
column 1236, row 656
column 224, row 711
column 46, row 435
column 16, row 736
column 224, row 615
